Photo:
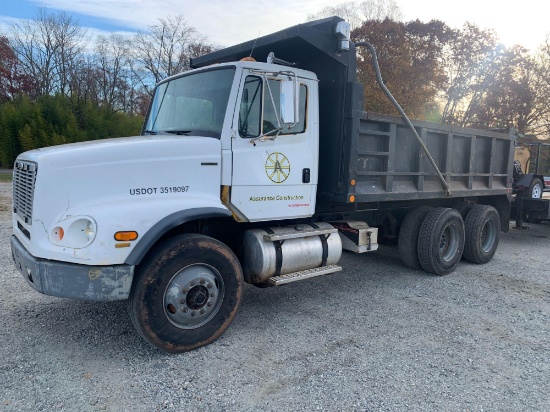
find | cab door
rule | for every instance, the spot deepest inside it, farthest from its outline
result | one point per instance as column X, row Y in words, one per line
column 274, row 176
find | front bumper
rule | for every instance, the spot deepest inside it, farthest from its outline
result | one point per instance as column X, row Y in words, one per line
column 71, row 280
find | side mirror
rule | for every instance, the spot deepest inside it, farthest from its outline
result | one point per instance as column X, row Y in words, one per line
column 289, row 102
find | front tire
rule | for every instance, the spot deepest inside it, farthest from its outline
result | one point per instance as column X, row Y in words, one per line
column 186, row 293
column 441, row 241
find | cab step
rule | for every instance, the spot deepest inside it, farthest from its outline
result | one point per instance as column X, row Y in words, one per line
column 272, row 237
column 303, row 274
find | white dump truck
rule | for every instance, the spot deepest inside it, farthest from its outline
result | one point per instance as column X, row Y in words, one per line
column 259, row 165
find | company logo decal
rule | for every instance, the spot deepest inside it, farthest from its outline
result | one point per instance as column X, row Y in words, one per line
column 277, row 167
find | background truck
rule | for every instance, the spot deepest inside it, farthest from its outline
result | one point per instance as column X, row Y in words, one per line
column 253, row 169
column 530, row 162
column 528, row 184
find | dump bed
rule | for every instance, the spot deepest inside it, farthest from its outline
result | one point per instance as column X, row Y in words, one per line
column 366, row 157
column 387, row 162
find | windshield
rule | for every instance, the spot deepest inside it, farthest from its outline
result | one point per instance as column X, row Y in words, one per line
column 193, row 104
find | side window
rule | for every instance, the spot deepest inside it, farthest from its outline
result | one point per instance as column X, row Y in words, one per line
column 251, row 121
column 250, row 112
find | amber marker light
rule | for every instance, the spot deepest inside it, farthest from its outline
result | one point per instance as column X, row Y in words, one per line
column 58, row 233
column 352, row 182
column 126, row 236
column 352, row 198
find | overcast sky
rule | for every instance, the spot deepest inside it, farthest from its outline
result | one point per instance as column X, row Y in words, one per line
column 228, row 22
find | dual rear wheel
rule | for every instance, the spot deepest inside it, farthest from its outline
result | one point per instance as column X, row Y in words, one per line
column 435, row 239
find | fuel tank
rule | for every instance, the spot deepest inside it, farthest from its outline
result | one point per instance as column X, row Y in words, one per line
column 301, row 247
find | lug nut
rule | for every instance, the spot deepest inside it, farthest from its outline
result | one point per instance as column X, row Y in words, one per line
column 202, row 282
column 209, row 304
column 193, row 313
column 185, row 310
column 209, row 286
column 212, row 295
column 185, row 290
column 182, row 301
column 192, row 283
column 202, row 311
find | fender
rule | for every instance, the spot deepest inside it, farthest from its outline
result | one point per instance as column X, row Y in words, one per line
column 169, row 222
column 525, row 180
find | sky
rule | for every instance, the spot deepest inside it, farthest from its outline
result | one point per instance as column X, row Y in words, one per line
column 229, row 22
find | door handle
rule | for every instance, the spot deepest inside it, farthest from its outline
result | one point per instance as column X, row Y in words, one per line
column 306, row 175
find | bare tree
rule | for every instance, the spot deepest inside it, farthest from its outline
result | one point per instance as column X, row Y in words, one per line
column 112, row 54
column 356, row 13
column 47, row 47
column 380, row 10
column 165, row 49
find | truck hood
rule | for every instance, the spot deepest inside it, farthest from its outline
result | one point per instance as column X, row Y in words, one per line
column 157, row 173
column 118, row 150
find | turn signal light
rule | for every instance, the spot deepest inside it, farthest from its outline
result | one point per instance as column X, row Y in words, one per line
column 58, row 234
column 126, row 236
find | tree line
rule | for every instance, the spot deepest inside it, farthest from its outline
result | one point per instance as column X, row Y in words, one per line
column 459, row 76
column 58, row 85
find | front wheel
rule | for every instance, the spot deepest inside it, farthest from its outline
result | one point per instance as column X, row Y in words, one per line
column 186, row 293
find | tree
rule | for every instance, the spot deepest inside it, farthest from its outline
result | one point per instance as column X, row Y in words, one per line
column 356, row 13
column 542, row 69
column 13, row 81
column 471, row 60
column 510, row 100
column 112, row 55
column 409, row 56
column 47, row 48
column 165, row 50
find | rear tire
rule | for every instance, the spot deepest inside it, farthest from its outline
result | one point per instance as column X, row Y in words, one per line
column 482, row 234
column 407, row 242
column 463, row 208
column 186, row 293
column 441, row 241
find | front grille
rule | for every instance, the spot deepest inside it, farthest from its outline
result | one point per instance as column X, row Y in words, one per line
column 24, row 177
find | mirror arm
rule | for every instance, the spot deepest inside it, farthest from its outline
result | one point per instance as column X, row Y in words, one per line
column 273, row 103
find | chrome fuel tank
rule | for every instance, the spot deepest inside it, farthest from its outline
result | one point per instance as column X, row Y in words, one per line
column 301, row 247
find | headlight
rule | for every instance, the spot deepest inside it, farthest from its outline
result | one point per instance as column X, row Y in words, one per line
column 76, row 232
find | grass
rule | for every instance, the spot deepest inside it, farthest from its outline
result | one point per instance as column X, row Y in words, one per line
column 6, row 177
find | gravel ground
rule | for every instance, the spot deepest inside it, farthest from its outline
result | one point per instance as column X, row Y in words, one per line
column 375, row 337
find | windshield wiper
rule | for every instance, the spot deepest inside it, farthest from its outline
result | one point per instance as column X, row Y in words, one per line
column 182, row 132
column 150, row 131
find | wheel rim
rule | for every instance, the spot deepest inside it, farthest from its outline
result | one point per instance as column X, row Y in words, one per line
column 448, row 243
column 488, row 236
column 193, row 296
column 537, row 190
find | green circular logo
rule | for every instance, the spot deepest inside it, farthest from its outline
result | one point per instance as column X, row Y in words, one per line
column 277, row 167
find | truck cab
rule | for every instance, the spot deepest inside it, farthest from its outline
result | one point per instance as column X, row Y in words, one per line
column 266, row 119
